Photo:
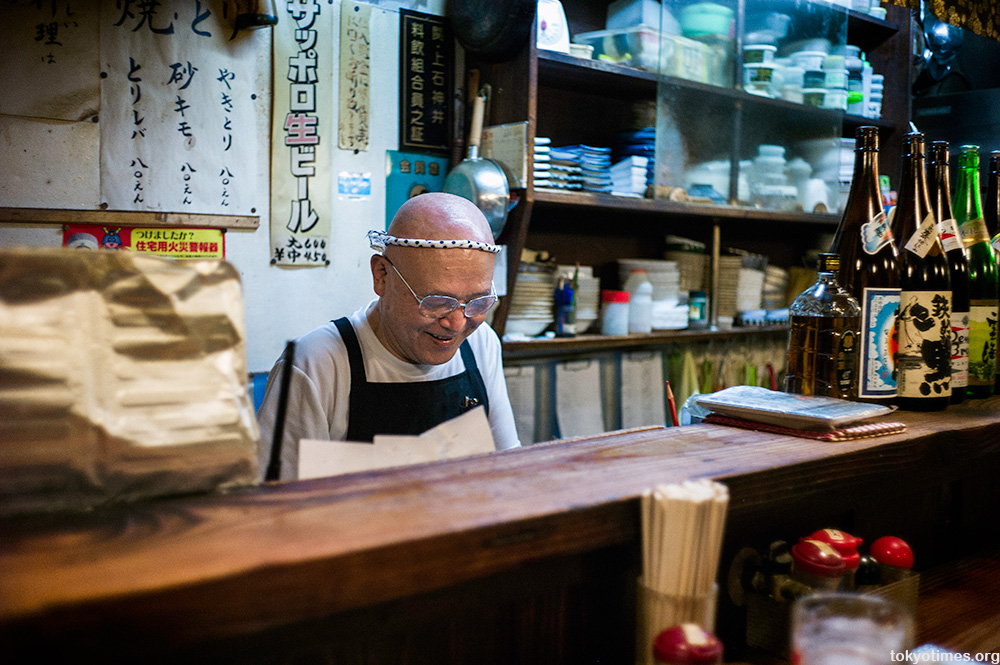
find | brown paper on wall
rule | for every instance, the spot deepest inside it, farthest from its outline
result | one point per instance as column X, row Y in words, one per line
column 122, row 376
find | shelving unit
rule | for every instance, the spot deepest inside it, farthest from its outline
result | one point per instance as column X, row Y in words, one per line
column 589, row 101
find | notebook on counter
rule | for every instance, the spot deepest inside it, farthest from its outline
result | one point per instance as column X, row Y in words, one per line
column 788, row 411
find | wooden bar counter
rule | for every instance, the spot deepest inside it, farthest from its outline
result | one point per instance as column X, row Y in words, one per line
column 526, row 556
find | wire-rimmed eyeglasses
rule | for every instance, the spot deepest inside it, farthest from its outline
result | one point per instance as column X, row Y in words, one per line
column 438, row 307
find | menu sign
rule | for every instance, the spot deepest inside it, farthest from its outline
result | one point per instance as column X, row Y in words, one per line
column 426, row 57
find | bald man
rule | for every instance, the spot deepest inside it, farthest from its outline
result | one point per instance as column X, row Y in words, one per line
column 415, row 356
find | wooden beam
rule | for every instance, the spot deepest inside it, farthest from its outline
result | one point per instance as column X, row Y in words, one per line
column 22, row 216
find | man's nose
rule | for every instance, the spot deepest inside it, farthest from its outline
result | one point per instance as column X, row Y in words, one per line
column 455, row 320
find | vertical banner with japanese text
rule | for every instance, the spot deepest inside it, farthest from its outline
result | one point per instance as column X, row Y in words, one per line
column 426, row 61
column 186, row 138
column 302, row 126
column 355, row 75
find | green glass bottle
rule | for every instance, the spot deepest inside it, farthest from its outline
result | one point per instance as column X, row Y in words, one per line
column 923, row 325
column 983, row 285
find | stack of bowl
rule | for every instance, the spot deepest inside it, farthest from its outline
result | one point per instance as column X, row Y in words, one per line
column 531, row 306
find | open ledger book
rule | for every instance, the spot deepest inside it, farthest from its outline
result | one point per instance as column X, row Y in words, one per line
column 790, row 411
column 467, row 434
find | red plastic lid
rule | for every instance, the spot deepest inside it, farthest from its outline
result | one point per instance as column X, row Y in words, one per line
column 818, row 558
column 892, row 551
column 614, row 296
column 843, row 542
column 687, row 643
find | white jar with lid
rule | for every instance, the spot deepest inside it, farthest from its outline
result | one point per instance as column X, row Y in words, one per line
column 640, row 306
column 614, row 312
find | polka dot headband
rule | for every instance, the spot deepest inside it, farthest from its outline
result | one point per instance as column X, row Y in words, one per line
column 379, row 239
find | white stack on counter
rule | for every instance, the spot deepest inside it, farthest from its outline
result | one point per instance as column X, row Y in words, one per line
column 531, row 306
column 669, row 313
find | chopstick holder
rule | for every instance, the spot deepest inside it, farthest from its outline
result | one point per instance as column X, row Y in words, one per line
column 682, row 526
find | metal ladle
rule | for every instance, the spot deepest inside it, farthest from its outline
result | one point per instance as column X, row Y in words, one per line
column 480, row 180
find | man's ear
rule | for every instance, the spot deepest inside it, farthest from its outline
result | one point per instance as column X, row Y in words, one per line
column 379, row 272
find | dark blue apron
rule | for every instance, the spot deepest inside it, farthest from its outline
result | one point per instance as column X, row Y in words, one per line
column 407, row 408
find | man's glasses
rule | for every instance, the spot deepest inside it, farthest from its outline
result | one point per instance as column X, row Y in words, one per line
column 438, row 307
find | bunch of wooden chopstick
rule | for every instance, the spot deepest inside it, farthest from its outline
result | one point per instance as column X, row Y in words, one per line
column 681, row 542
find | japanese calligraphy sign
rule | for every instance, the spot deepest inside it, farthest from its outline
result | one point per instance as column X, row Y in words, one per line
column 175, row 243
column 185, row 139
column 302, row 115
column 426, row 54
column 49, row 46
column 355, row 67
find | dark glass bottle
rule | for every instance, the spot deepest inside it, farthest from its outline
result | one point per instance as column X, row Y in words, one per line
column 991, row 213
column 923, row 352
column 991, row 205
column 823, row 340
column 939, row 192
column 982, row 274
column 869, row 271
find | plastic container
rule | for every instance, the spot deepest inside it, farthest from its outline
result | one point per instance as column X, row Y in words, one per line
column 835, row 99
column 706, row 18
column 813, row 96
column 640, row 305
column 757, row 78
column 808, row 59
column 625, row 14
column 758, row 53
column 836, row 78
column 635, row 47
column 614, row 312
column 698, row 310
column 847, row 546
column 813, row 78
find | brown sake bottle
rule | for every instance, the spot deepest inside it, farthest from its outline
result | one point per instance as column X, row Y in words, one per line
column 869, row 272
column 939, row 192
column 923, row 352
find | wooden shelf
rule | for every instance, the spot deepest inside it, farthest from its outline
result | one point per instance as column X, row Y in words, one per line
column 21, row 216
column 598, row 201
column 565, row 347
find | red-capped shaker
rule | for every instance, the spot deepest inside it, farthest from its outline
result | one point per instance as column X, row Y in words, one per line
column 687, row 644
column 894, row 556
column 817, row 565
column 845, row 544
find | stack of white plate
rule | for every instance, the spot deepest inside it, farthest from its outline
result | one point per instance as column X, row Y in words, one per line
column 668, row 312
column 749, row 289
column 531, row 306
column 775, row 288
column 588, row 295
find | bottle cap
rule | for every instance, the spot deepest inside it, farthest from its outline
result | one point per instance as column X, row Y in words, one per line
column 866, row 138
column 828, row 262
column 845, row 544
column 687, row 644
column 938, row 152
column 818, row 558
column 968, row 156
column 913, row 144
column 892, row 551
column 614, row 296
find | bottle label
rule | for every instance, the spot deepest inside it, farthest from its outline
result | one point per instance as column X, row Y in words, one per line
column 923, row 355
column 949, row 234
column 847, row 361
column 877, row 369
column 923, row 238
column 996, row 243
column 959, row 350
column 973, row 231
column 982, row 342
column 876, row 234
